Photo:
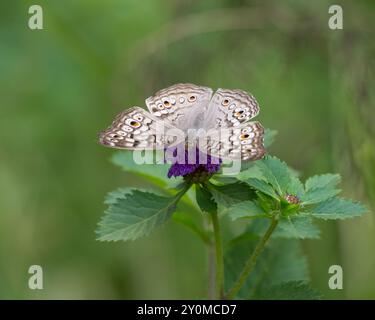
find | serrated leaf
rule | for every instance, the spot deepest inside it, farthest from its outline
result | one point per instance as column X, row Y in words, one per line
column 227, row 195
column 328, row 180
column 205, row 199
column 113, row 196
column 252, row 171
column 292, row 290
column 134, row 215
column 262, row 186
column 317, row 195
column 298, row 226
column 295, row 187
column 320, row 188
column 281, row 261
column 337, row 208
column 220, row 179
column 275, row 172
column 294, row 227
column 245, row 209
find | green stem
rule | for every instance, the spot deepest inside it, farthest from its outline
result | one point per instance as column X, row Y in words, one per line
column 211, row 271
column 219, row 257
column 250, row 263
column 180, row 194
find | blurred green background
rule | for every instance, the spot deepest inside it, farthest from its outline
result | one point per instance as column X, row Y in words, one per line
column 61, row 85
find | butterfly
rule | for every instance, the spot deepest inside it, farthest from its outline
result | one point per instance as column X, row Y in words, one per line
column 174, row 112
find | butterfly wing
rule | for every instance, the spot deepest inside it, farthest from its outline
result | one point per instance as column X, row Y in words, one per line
column 136, row 128
column 230, row 108
column 243, row 142
column 182, row 105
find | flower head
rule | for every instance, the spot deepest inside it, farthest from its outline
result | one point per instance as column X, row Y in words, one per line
column 202, row 164
column 292, row 199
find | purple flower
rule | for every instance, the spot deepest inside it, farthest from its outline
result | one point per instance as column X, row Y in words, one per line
column 203, row 162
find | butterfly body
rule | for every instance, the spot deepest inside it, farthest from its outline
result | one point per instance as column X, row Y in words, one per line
column 217, row 123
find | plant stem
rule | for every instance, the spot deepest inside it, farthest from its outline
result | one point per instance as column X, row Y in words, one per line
column 250, row 263
column 211, row 271
column 182, row 192
column 219, row 257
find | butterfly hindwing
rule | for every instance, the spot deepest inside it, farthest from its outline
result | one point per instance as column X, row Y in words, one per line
column 182, row 105
column 243, row 142
column 135, row 128
column 229, row 108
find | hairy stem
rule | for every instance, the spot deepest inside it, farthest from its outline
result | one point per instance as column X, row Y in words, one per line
column 219, row 257
column 250, row 263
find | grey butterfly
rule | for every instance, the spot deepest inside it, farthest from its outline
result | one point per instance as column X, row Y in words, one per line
column 223, row 116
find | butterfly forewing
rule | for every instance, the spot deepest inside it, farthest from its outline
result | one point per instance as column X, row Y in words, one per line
column 182, row 105
column 229, row 108
column 135, row 128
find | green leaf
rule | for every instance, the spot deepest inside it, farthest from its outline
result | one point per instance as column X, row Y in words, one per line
column 322, row 181
column 252, row 171
column 227, row 195
column 272, row 170
column 205, row 199
column 245, row 209
column 134, row 215
column 298, row 226
column 219, row 179
column 258, row 227
column 281, row 261
column 155, row 173
column 337, row 208
column 262, row 186
column 276, row 173
column 318, row 195
column 294, row 227
column 320, row 188
column 292, row 290
column 113, row 196
column 258, row 169
column 295, row 187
